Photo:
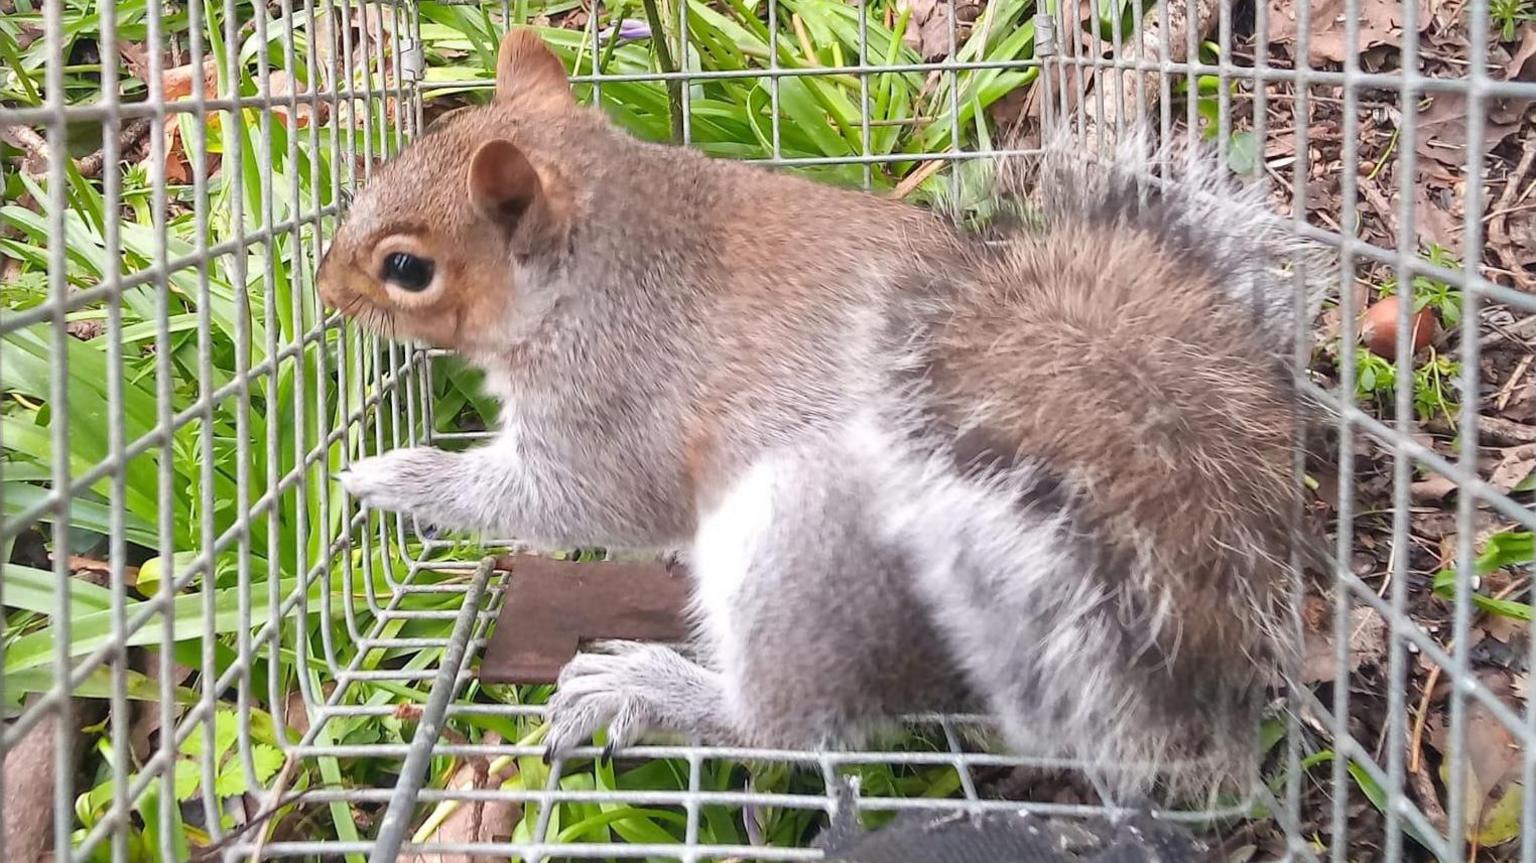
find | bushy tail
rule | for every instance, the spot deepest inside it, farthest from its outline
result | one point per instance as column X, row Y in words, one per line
column 1183, row 196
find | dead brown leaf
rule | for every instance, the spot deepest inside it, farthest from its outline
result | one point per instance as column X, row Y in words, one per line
column 296, row 713
column 134, row 57
column 1381, row 23
column 1494, row 761
column 1367, row 640
column 1015, row 107
column 1442, row 124
column 369, row 19
column 176, row 84
column 296, row 709
column 28, row 34
column 1438, row 208
column 281, row 85
column 85, row 330
column 146, row 723
column 1522, row 61
column 90, row 569
column 366, row 31
column 1512, row 216
column 1442, row 121
column 1506, row 630
column 1520, row 248
column 475, row 820
column 928, row 30
column 1435, row 488
column 1515, row 464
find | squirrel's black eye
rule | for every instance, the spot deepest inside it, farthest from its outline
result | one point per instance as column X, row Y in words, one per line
column 407, row 271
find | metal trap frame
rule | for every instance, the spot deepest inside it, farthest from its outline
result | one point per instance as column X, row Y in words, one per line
column 339, row 644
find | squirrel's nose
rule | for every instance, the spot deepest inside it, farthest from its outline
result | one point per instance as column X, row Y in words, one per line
column 328, row 283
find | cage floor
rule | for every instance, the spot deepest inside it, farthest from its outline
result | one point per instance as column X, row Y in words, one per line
column 469, row 776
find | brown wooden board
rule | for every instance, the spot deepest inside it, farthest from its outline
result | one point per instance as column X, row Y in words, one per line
column 552, row 607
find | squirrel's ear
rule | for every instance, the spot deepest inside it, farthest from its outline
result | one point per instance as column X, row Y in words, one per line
column 525, row 67
column 507, row 189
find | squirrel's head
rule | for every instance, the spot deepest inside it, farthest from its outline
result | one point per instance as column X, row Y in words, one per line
column 435, row 246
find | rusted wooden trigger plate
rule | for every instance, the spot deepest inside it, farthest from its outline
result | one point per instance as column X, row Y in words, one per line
column 553, row 606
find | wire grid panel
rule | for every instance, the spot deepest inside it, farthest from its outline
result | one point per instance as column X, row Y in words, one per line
column 342, row 667
column 188, row 440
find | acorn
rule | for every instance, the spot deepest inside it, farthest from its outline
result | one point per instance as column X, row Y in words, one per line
column 1378, row 328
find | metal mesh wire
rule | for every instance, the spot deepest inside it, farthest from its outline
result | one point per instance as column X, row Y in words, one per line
column 298, row 654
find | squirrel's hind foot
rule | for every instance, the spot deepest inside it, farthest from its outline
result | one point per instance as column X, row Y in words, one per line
column 631, row 689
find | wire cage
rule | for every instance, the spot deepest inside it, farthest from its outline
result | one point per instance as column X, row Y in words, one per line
column 209, row 652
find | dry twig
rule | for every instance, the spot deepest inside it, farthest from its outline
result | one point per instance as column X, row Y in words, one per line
column 1102, row 118
column 35, row 163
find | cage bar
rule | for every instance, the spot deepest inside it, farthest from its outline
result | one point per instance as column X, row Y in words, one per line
column 264, row 653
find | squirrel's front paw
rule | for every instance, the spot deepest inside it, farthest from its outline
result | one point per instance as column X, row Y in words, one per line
column 395, row 480
column 370, row 481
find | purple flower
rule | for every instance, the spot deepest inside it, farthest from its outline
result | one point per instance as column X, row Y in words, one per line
column 629, row 30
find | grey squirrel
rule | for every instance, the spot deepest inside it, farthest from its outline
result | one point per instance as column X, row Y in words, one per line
column 1042, row 470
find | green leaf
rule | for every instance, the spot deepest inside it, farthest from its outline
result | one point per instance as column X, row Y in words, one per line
column 627, row 820
column 1503, row 607
column 1373, row 791
column 230, row 782
column 1500, row 821
column 1502, row 550
column 152, row 571
column 1243, row 153
column 172, row 847
column 37, row 590
column 1378, row 797
column 1445, row 588
column 91, row 632
column 1510, row 548
column 98, row 684
column 226, row 731
column 83, row 513
column 267, row 761
column 189, row 778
